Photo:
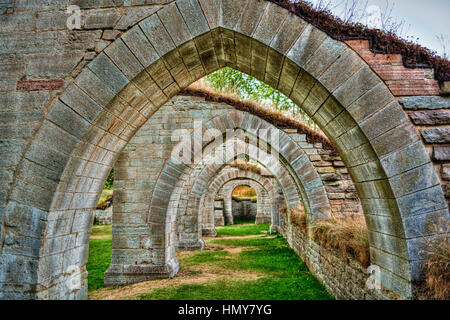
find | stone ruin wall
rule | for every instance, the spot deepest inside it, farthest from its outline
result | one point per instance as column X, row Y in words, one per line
column 344, row 278
column 152, row 145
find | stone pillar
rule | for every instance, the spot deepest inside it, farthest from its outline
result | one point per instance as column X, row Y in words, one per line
column 123, row 274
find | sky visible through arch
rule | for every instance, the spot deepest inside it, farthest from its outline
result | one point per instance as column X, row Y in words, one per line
column 423, row 19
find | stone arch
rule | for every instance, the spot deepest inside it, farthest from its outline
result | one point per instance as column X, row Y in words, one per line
column 231, row 175
column 84, row 130
column 262, row 199
column 292, row 190
column 266, row 211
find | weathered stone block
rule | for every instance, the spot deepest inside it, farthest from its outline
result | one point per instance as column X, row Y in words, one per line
column 100, row 18
column 427, row 102
column 134, row 15
column 436, row 135
column 270, row 23
column 284, row 41
column 441, row 153
column 157, row 34
column 194, row 17
column 406, row 159
column 384, row 120
column 124, row 59
column 173, row 22
column 432, row 117
column 213, row 12
column 106, row 71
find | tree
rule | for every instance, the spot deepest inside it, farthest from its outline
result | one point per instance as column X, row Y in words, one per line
column 246, row 87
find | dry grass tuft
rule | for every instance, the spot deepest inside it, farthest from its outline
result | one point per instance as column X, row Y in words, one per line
column 274, row 117
column 246, row 166
column 348, row 235
column 298, row 217
column 244, row 192
column 437, row 269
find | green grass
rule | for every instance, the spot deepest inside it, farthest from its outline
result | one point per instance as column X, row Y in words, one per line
column 286, row 276
column 99, row 256
column 98, row 263
column 102, row 230
column 242, row 230
column 205, row 257
column 262, row 289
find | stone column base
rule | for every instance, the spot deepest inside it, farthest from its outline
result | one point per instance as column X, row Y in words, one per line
column 274, row 229
column 229, row 220
column 190, row 246
column 118, row 274
column 209, row 232
column 219, row 221
column 263, row 220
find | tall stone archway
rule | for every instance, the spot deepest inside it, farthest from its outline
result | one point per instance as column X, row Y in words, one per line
column 45, row 237
column 263, row 212
column 235, row 176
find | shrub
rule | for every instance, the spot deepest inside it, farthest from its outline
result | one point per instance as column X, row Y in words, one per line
column 105, row 199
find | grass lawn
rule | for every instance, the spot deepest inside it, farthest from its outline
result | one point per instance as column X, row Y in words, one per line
column 99, row 256
column 242, row 230
column 281, row 274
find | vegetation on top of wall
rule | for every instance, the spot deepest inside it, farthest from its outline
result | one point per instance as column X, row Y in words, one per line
column 347, row 235
column 276, row 118
column 244, row 193
column 246, row 166
column 248, row 88
column 414, row 55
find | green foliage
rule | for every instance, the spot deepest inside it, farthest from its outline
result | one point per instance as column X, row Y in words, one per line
column 246, row 87
column 109, row 184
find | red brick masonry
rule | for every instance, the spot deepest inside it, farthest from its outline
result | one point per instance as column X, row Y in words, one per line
column 38, row 85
